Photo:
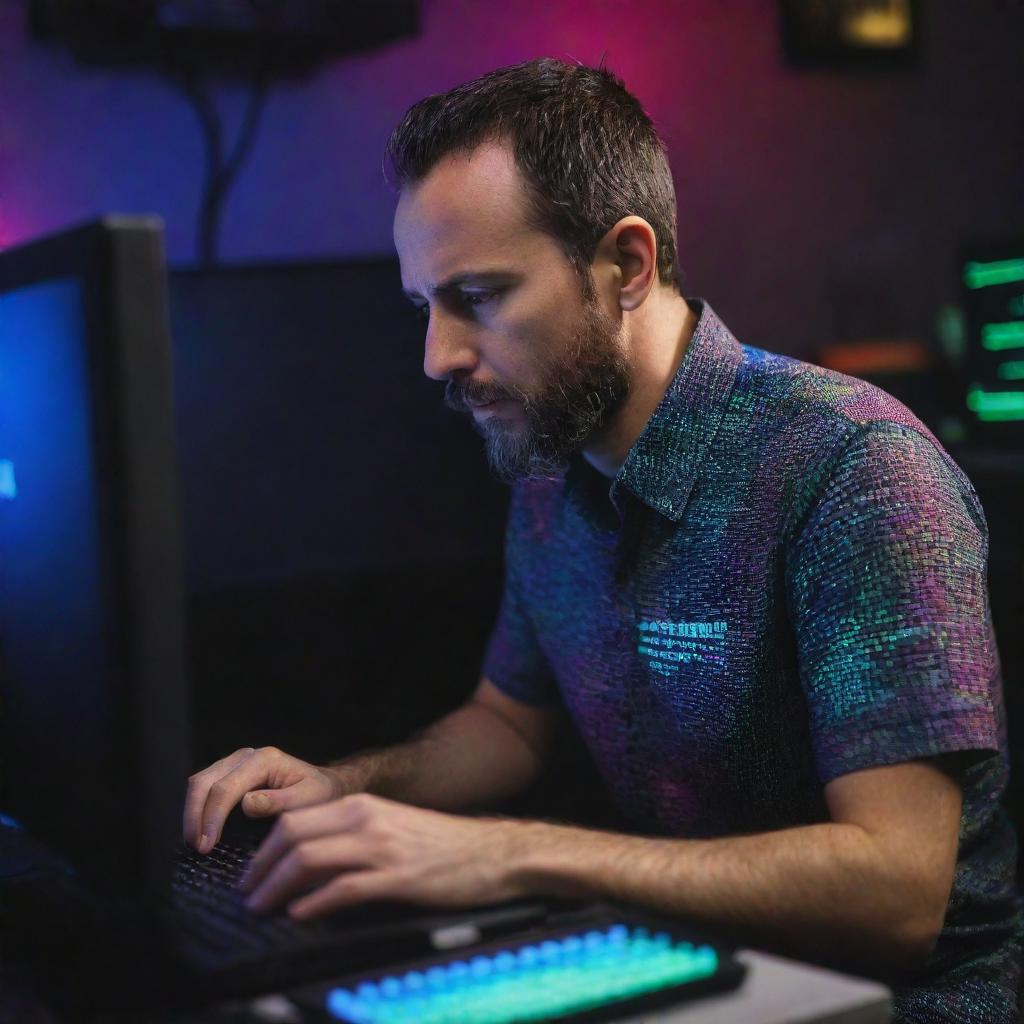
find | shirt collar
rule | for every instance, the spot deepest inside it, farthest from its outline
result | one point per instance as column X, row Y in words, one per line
column 665, row 461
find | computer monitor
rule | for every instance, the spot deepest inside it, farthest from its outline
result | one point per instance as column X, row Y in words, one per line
column 93, row 740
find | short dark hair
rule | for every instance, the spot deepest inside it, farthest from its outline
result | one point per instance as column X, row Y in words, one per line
column 589, row 153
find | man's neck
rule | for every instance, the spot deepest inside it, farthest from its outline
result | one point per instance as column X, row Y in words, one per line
column 658, row 340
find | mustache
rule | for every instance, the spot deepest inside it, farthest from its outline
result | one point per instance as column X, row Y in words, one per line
column 462, row 396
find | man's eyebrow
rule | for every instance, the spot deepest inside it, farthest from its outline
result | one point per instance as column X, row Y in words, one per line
column 465, row 277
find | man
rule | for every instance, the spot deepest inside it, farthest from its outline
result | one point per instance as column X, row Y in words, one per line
column 756, row 587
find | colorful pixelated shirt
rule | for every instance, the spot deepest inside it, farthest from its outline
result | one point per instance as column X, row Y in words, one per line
column 784, row 583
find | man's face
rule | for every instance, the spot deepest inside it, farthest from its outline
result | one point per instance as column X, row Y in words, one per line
column 538, row 366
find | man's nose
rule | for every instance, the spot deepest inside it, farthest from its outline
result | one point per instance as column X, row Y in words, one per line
column 447, row 348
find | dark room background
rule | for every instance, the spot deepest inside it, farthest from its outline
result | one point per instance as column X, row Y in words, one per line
column 792, row 184
column 817, row 207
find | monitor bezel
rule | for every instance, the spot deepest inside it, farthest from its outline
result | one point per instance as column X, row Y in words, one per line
column 120, row 263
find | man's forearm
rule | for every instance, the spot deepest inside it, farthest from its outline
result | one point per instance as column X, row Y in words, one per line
column 823, row 891
column 469, row 759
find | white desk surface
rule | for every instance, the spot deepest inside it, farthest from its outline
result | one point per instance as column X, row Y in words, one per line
column 779, row 991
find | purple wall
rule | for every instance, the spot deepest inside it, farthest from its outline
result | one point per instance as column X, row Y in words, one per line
column 798, row 191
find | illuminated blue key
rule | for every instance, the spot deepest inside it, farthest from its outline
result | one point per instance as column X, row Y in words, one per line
column 550, row 950
column 390, row 987
column 528, row 955
column 505, row 961
column 344, row 1004
column 481, row 966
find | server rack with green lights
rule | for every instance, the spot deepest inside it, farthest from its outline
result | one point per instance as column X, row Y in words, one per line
column 993, row 289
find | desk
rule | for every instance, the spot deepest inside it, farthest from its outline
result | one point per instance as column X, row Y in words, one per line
column 775, row 991
column 779, row 991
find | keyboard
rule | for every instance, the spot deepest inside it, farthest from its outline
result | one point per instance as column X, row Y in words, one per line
column 209, row 906
column 618, row 963
column 217, row 932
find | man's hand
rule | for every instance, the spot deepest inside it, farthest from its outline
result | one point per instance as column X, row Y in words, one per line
column 266, row 781
column 365, row 847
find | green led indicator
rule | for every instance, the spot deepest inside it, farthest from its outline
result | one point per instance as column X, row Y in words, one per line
column 1015, row 307
column 1011, row 370
column 996, row 406
column 982, row 275
column 996, row 337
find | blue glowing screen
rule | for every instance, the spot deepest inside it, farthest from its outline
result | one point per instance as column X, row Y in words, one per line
column 52, row 610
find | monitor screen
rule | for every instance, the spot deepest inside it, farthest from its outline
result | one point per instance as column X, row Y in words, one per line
column 56, row 629
column 92, row 677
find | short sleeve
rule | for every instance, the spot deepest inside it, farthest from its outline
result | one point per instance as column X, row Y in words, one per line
column 514, row 660
column 886, row 584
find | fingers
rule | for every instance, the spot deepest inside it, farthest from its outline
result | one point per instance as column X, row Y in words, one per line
column 263, row 802
column 259, row 803
column 305, row 865
column 345, row 891
column 214, row 792
column 293, row 829
column 199, row 788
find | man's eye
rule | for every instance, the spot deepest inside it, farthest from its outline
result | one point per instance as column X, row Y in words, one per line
column 473, row 299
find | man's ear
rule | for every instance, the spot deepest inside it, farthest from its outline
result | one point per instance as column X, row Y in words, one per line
column 630, row 251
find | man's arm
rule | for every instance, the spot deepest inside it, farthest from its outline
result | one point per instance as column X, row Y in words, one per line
column 869, row 888
column 489, row 749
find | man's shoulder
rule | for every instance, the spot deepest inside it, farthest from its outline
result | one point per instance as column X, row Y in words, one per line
column 806, row 421
column 784, row 404
column 793, row 390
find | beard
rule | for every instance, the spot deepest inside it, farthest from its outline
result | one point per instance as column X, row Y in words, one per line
column 581, row 391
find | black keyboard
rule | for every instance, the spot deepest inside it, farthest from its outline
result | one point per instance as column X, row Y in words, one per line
column 217, row 929
column 210, row 908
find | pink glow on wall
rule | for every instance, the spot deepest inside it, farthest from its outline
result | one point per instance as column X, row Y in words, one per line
column 778, row 173
column 15, row 227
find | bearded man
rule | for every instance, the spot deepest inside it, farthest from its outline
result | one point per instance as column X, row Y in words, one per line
column 755, row 587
